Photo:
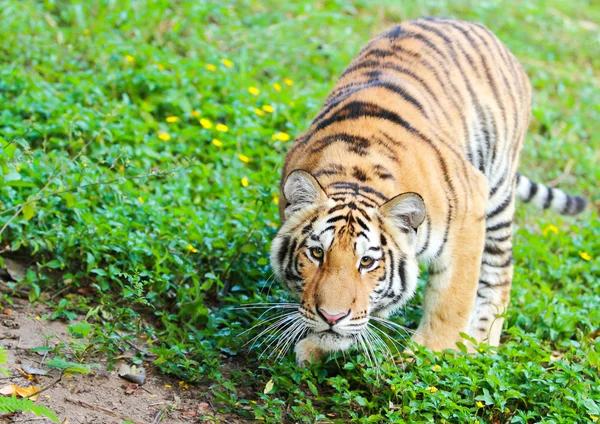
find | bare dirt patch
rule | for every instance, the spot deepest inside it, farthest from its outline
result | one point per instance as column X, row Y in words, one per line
column 101, row 396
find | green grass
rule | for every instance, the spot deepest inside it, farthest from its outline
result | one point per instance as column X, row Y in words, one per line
column 141, row 234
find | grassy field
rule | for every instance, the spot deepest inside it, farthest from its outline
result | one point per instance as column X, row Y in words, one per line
column 140, row 149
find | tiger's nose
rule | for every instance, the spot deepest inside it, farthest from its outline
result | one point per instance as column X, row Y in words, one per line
column 332, row 319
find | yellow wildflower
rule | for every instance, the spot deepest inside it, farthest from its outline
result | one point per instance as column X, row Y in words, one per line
column 276, row 200
column 121, row 168
column 245, row 182
column 191, row 248
column 18, row 168
column 550, row 229
column 288, row 82
column 195, row 113
column 171, row 119
column 585, row 256
column 210, row 67
column 206, row 123
column 277, row 86
column 268, row 108
column 244, row 158
column 38, row 318
column 593, row 417
column 480, row 404
column 227, row 63
column 254, row 91
column 281, row 136
column 160, row 67
column 292, row 104
column 431, row 389
column 259, row 112
column 167, row 386
column 217, row 143
column 141, row 200
column 129, row 58
column 436, row 368
column 164, row 136
column 222, row 128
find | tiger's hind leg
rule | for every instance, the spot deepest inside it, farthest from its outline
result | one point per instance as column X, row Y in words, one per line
column 496, row 274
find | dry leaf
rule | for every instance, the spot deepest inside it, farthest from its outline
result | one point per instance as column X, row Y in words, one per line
column 33, row 370
column 268, row 387
column 131, row 388
column 16, row 270
column 13, row 389
column 190, row 413
column 203, row 407
column 134, row 374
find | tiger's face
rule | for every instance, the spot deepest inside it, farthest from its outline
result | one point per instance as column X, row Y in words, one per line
column 345, row 259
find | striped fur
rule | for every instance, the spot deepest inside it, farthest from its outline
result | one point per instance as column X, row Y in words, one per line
column 436, row 109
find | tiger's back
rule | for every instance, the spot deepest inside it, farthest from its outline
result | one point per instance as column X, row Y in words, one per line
column 452, row 82
column 435, row 107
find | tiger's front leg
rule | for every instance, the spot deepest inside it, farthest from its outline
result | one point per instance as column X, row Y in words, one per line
column 308, row 351
column 450, row 293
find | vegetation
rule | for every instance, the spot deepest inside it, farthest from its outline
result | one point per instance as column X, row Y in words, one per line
column 13, row 404
column 140, row 149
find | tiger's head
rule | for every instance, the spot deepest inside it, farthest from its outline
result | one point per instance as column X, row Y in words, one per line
column 345, row 258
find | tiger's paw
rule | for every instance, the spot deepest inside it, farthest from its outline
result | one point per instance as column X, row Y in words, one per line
column 307, row 351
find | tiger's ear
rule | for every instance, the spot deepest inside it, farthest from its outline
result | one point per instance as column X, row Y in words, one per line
column 406, row 210
column 301, row 189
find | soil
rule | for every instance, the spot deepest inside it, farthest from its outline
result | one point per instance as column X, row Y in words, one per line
column 101, row 396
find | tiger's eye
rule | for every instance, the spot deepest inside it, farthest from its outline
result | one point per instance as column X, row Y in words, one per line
column 366, row 261
column 316, row 252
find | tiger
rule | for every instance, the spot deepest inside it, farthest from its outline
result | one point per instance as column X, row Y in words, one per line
column 412, row 160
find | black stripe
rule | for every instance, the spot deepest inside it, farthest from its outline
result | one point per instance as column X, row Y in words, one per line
column 568, row 205
column 533, row 188
column 362, row 233
column 354, row 193
column 331, row 227
column 356, row 144
column 362, row 224
column 499, row 239
column 426, row 245
column 501, row 207
column 493, row 250
column 549, row 198
column 283, row 251
column 580, row 203
column 337, row 218
column 499, row 226
column 498, row 185
column 402, row 274
column 336, row 208
column 364, row 214
column 488, row 284
column 349, row 185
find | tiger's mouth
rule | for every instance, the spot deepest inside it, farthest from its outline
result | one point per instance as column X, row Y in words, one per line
column 333, row 341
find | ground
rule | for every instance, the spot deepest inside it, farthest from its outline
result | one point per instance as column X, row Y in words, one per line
column 84, row 398
column 140, row 149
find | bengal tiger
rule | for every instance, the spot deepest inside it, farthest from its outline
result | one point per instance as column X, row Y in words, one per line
column 412, row 159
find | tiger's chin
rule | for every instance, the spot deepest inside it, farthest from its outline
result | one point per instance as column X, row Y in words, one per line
column 317, row 345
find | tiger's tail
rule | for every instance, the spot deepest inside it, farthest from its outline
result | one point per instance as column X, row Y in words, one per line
column 547, row 197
